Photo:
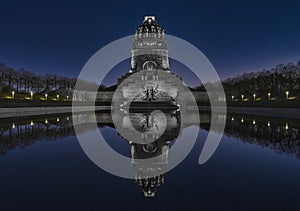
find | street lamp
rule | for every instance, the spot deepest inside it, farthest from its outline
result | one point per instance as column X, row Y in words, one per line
column 57, row 97
column 31, row 95
column 13, row 94
column 269, row 96
column 286, row 126
column 254, row 95
column 232, row 98
column 67, row 97
column 287, row 94
column 242, row 97
column 46, row 96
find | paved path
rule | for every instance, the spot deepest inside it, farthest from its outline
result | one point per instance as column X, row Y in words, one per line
column 31, row 111
column 271, row 112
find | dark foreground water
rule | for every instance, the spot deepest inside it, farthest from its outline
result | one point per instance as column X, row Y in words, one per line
column 256, row 166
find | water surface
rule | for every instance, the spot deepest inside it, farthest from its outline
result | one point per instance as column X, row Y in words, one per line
column 256, row 166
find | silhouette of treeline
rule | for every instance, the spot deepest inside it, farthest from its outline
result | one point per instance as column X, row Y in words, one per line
column 22, row 80
column 275, row 137
column 22, row 132
column 277, row 80
column 25, row 135
column 279, row 136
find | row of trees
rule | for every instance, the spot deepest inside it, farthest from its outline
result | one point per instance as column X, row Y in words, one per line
column 22, row 80
column 277, row 80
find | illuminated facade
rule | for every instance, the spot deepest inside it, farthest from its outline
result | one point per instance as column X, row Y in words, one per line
column 149, row 58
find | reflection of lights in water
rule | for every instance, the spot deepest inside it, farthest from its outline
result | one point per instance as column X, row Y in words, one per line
column 13, row 125
column 232, row 119
column 242, row 120
column 46, row 121
column 254, row 122
column 57, row 119
column 67, row 118
column 269, row 124
column 286, row 126
column 31, row 123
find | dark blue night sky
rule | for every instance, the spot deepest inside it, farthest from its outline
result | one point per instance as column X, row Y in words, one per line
column 60, row 36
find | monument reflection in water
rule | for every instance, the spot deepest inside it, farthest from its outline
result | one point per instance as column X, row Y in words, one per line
column 148, row 104
column 157, row 146
column 281, row 136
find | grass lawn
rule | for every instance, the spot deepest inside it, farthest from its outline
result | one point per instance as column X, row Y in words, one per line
column 7, row 100
column 24, row 100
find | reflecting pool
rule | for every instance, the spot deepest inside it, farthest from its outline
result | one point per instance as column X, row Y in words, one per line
column 256, row 166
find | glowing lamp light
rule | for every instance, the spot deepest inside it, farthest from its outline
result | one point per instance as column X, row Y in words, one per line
column 269, row 96
column 286, row 126
column 232, row 98
column 269, row 124
column 13, row 94
column 31, row 95
column 254, row 96
column 242, row 97
column 287, row 94
column 46, row 96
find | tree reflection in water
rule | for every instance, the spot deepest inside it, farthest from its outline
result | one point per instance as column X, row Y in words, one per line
column 26, row 131
column 280, row 135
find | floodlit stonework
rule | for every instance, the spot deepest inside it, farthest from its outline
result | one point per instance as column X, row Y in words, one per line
column 154, row 83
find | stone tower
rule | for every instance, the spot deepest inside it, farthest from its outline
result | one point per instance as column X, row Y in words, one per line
column 149, row 51
column 149, row 78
